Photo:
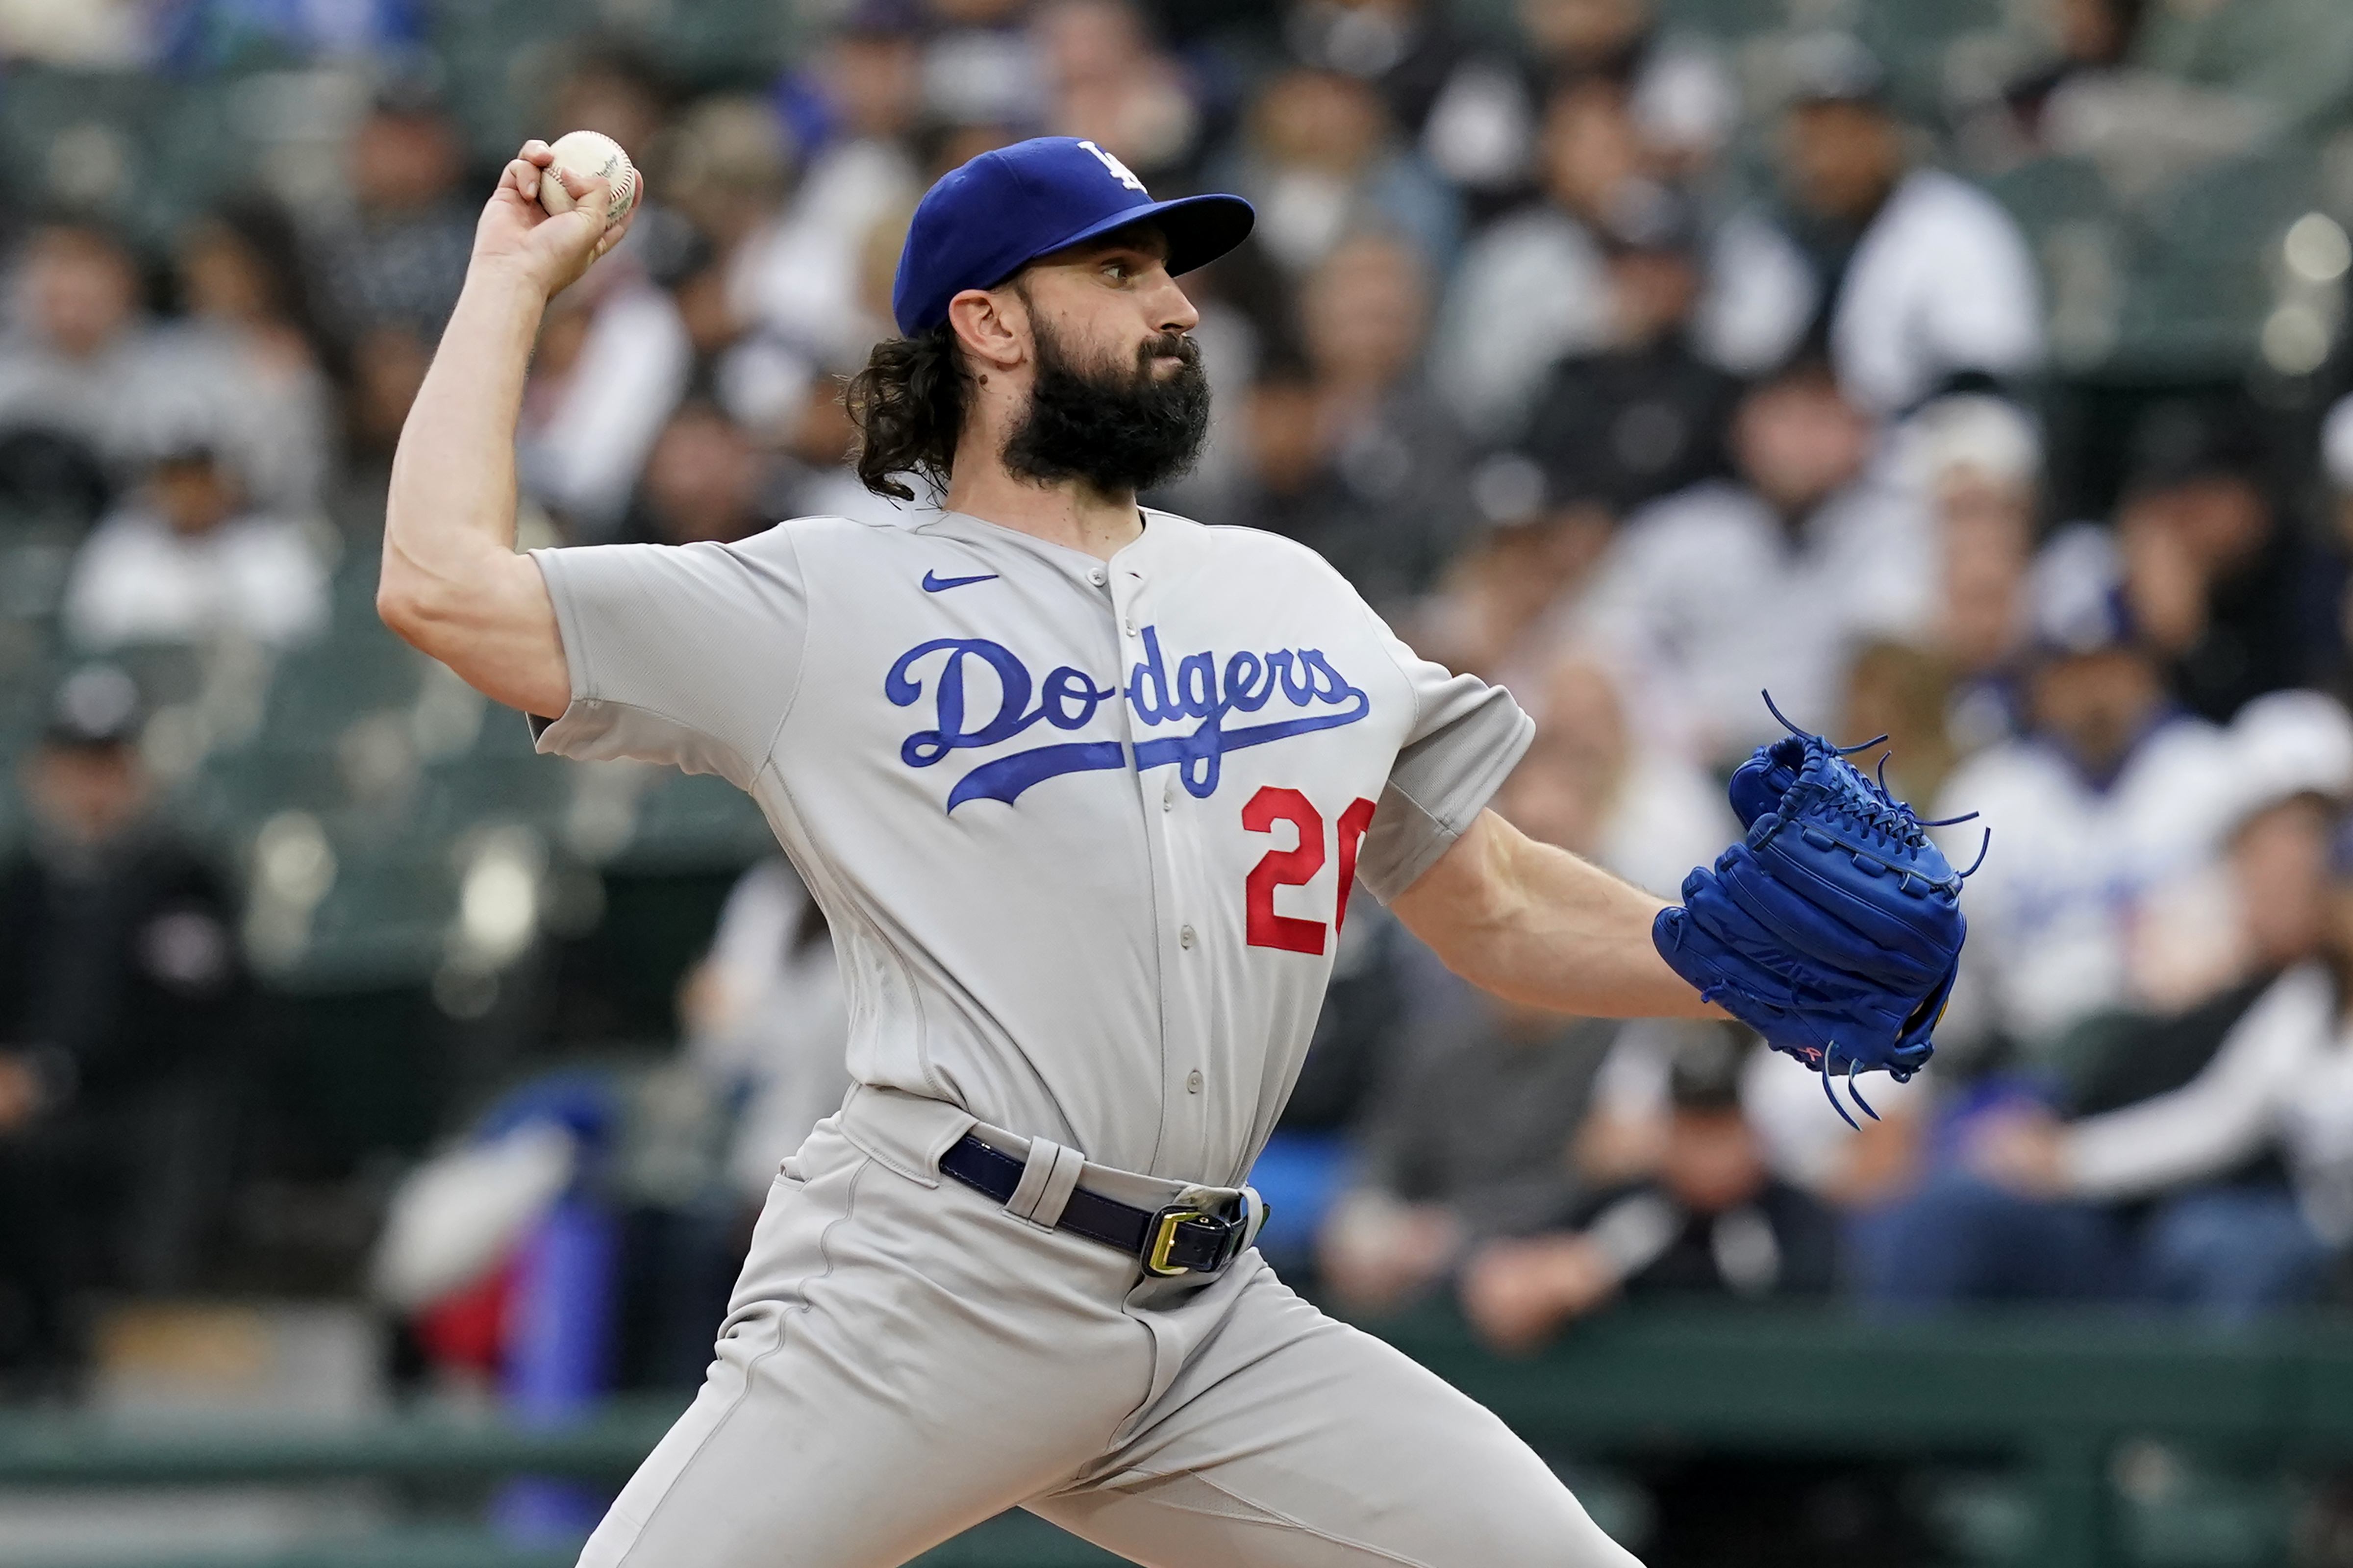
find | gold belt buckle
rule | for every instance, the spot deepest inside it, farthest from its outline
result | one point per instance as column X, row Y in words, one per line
column 1164, row 1240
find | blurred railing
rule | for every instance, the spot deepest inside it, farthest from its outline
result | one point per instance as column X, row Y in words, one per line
column 2053, row 1394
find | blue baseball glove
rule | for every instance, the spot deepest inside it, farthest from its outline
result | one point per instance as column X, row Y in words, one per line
column 1834, row 929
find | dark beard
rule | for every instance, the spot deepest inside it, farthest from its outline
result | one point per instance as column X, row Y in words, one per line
column 1113, row 431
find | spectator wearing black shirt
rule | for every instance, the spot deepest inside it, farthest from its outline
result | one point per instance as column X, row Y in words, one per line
column 1913, row 281
column 2214, row 579
column 1712, row 1221
column 398, row 260
column 120, row 985
column 1644, row 415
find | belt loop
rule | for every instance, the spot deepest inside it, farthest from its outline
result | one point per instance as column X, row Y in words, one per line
column 1255, row 1210
column 1060, row 1185
column 1047, row 1178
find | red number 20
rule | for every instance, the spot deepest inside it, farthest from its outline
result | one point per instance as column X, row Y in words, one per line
column 1296, row 865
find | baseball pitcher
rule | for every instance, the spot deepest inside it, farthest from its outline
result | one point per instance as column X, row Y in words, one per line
column 1083, row 790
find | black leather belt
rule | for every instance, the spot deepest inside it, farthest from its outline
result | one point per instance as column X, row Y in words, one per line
column 1167, row 1242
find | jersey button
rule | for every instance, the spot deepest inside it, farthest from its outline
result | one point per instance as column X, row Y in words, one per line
column 1095, row 576
column 1185, row 937
column 1128, row 625
column 1193, row 1082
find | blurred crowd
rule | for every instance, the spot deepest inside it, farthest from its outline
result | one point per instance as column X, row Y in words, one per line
column 1635, row 360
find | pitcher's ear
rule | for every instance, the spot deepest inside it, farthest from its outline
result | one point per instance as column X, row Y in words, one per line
column 993, row 325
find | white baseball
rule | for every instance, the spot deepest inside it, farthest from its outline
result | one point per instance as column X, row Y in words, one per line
column 590, row 155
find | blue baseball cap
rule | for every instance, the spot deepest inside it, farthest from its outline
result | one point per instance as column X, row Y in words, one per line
column 983, row 222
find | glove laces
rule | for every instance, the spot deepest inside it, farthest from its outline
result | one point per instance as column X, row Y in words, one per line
column 1872, row 810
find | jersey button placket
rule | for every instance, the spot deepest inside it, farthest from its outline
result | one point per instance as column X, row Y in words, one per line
column 1180, row 1114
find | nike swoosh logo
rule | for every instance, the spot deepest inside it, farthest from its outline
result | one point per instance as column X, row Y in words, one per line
column 935, row 583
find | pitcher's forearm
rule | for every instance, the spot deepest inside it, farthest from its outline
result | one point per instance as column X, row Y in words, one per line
column 452, row 499
column 1584, row 944
column 1539, row 926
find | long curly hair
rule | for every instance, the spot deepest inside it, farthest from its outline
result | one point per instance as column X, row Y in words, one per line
column 909, row 405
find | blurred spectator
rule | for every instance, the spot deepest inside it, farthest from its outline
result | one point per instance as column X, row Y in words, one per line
column 1713, row 1220
column 2197, row 935
column 765, row 1019
column 250, row 329
column 1767, row 581
column 812, row 476
column 1534, row 285
column 81, row 360
column 613, row 88
column 2231, row 1119
column 1980, row 460
column 1466, row 109
column 1901, row 691
column 1914, row 282
column 1643, row 414
column 2214, row 580
column 2113, row 795
column 614, row 358
column 119, row 992
column 1319, row 160
column 1110, row 85
column 1469, row 1131
column 760, row 380
column 704, row 481
column 189, row 559
column 1466, row 1136
column 1493, row 614
column 730, row 162
column 1683, row 101
column 2093, row 39
column 800, row 272
column 399, row 257
column 981, row 64
column 1351, row 454
column 1593, row 784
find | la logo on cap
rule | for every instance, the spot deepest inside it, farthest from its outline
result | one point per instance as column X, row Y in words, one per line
column 1119, row 170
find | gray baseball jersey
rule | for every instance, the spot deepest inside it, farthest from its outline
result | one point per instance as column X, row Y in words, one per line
column 1084, row 830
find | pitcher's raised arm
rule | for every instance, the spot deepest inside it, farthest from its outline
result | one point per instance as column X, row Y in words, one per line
column 452, row 584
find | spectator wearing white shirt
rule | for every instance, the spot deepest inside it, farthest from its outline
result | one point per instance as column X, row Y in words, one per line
column 1534, row 285
column 247, row 349
column 81, row 359
column 2112, row 799
column 1913, row 281
column 2250, row 1158
column 1816, row 542
column 614, row 359
column 186, row 561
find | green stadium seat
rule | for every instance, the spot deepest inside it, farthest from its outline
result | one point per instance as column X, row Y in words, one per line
column 2202, row 287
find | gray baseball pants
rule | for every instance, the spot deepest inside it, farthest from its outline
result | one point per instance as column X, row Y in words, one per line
column 904, row 1358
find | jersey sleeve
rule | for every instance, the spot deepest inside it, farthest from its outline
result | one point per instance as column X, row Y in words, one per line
column 1466, row 737
column 684, row 654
